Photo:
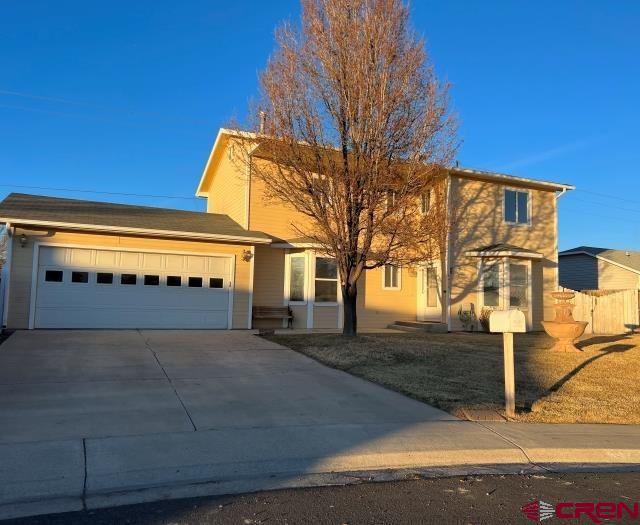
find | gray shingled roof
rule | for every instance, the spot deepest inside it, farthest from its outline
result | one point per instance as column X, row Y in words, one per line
column 624, row 257
column 30, row 209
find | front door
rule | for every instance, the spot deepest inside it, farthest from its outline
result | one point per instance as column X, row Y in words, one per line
column 429, row 307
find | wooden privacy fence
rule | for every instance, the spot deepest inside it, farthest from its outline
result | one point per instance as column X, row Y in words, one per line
column 608, row 311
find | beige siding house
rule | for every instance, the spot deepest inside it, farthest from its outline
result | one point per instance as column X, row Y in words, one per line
column 590, row 268
column 79, row 264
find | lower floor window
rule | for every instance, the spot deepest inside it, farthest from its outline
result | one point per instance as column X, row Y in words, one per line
column 518, row 285
column 296, row 278
column 326, row 280
column 391, row 276
column 491, row 285
column 432, row 287
column 514, row 280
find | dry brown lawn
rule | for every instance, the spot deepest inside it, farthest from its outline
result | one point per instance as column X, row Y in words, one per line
column 461, row 371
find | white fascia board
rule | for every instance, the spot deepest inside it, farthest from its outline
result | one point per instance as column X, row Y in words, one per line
column 288, row 245
column 511, row 179
column 199, row 191
column 139, row 231
column 223, row 131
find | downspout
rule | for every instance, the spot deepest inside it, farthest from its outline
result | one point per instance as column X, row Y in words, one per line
column 6, row 275
column 557, row 259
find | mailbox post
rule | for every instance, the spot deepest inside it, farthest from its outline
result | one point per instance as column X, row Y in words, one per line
column 508, row 322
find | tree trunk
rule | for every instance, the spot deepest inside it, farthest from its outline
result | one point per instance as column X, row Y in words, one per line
column 349, row 296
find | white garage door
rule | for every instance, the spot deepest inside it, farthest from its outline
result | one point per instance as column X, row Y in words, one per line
column 82, row 288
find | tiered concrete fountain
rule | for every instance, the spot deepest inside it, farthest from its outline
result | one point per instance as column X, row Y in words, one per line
column 564, row 329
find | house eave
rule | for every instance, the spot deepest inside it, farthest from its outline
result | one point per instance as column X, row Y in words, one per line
column 511, row 179
column 137, row 231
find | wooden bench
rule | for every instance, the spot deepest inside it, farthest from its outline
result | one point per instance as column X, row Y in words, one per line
column 274, row 312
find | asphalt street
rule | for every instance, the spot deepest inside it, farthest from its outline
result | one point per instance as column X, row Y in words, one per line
column 464, row 500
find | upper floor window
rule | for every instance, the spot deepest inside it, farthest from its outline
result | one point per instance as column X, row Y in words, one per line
column 425, row 203
column 516, row 207
column 391, row 199
column 391, row 277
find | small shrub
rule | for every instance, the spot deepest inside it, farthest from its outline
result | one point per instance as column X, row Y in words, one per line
column 485, row 313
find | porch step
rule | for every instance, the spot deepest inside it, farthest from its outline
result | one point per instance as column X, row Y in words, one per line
column 420, row 326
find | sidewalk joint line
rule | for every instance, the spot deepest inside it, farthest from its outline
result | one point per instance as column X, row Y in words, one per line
column 175, row 390
column 524, row 452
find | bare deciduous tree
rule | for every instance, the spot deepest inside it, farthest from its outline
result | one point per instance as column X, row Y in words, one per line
column 357, row 133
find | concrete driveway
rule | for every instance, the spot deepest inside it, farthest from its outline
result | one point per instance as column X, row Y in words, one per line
column 90, row 384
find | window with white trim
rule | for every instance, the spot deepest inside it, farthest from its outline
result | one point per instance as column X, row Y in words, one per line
column 518, row 285
column 425, row 203
column 491, row 284
column 297, row 265
column 516, row 207
column 391, row 279
column 391, row 199
column 326, row 280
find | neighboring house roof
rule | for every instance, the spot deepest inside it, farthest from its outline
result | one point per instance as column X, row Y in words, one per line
column 504, row 250
column 103, row 216
column 624, row 258
column 492, row 176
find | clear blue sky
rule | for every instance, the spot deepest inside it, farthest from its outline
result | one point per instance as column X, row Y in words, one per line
column 128, row 96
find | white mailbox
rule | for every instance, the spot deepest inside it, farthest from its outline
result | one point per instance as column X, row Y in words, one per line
column 507, row 321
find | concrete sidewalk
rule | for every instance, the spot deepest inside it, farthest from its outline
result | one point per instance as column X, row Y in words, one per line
column 56, row 476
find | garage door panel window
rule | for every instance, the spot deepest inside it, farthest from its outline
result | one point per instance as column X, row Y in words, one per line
column 80, row 277
column 104, row 278
column 216, row 282
column 195, row 282
column 151, row 280
column 129, row 279
column 174, row 280
column 54, row 276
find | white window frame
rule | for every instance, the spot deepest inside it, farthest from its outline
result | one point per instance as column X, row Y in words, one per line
column 384, row 281
column 337, row 280
column 504, row 286
column 501, row 282
column 392, row 197
column 504, row 206
column 287, row 276
column 425, row 197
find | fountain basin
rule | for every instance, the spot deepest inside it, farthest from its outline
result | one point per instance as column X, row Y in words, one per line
column 565, row 334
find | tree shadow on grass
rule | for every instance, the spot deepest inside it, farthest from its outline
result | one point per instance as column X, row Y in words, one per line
column 584, row 344
column 602, row 353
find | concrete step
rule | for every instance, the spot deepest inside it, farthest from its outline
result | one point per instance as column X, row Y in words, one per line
column 420, row 326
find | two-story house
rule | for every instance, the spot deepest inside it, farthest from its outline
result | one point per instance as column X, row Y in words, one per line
column 80, row 264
